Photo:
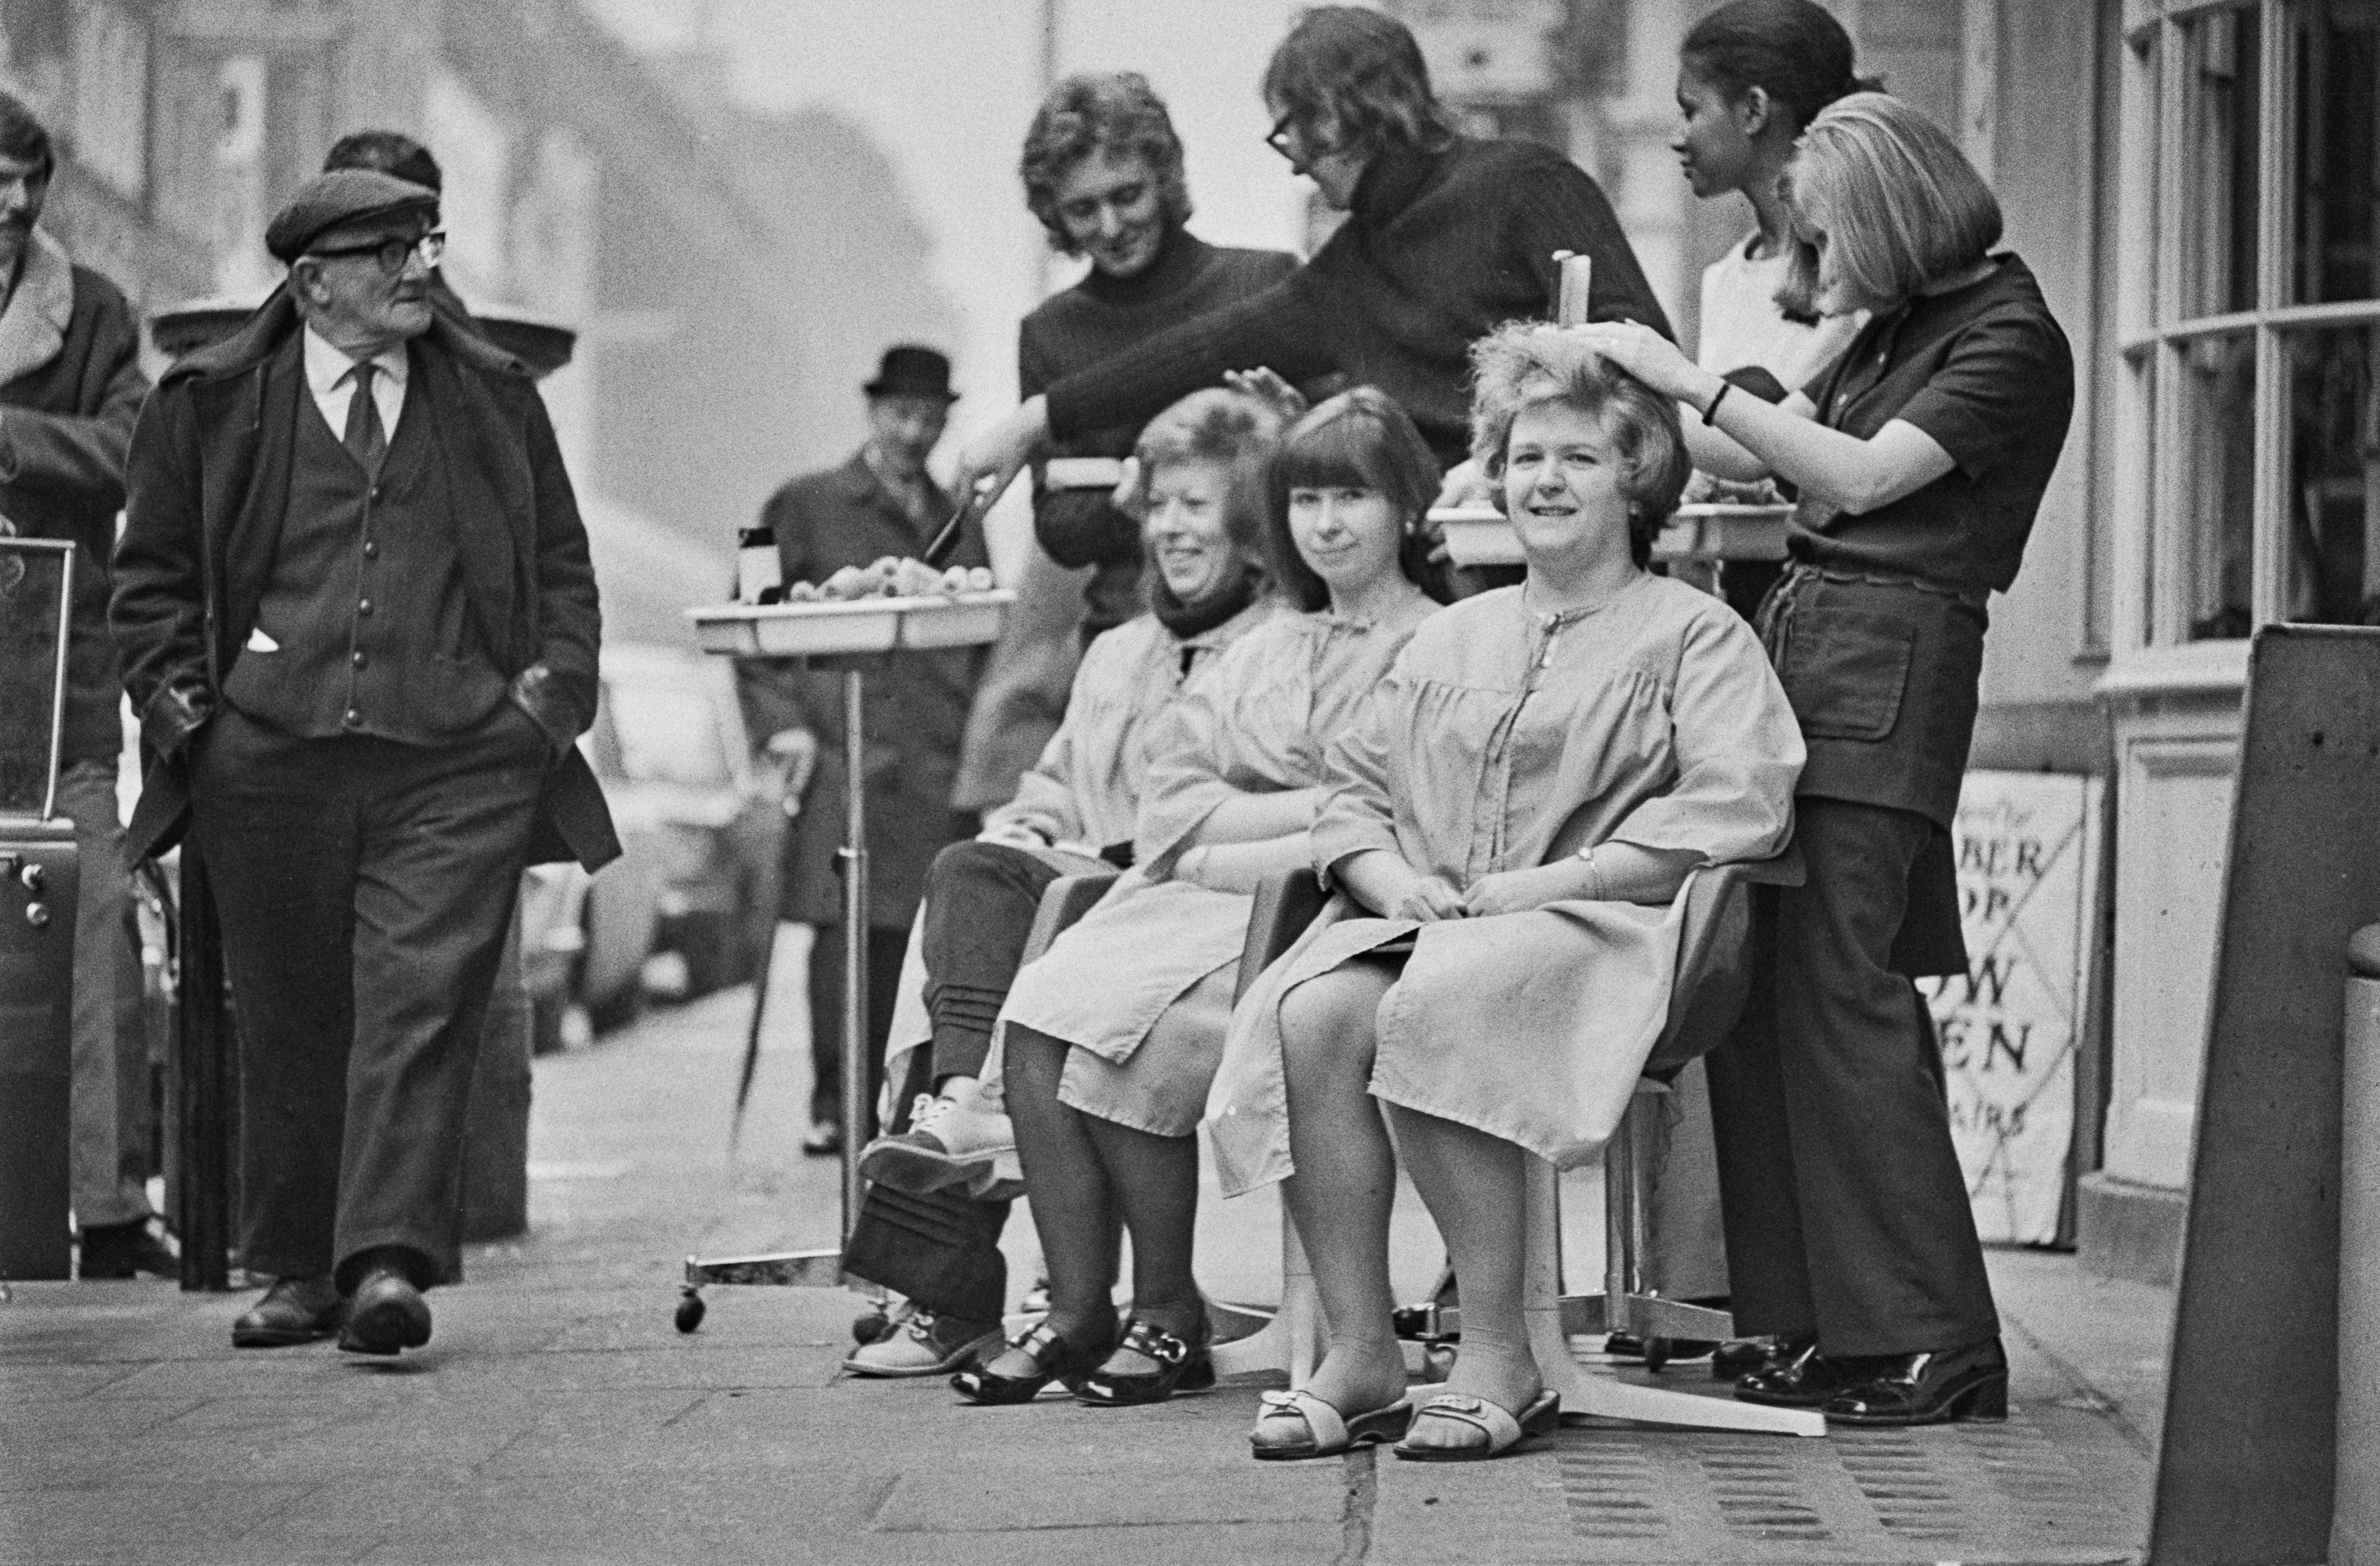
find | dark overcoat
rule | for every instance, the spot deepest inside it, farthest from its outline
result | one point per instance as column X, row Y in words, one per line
column 916, row 704
column 68, row 402
column 207, row 488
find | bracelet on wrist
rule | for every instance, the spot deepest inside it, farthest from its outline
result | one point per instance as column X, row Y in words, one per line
column 1711, row 410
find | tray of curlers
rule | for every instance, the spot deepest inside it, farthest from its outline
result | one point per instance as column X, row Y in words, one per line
column 1478, row 535
column 888, row 606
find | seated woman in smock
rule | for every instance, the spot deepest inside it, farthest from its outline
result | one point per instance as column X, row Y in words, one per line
column 1201, row 499
column 1110, row 1040
column 1512, row 824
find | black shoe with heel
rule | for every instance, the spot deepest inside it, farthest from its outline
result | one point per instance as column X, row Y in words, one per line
column 1928, row 1389
column 1809, row 1379
column 1184, row 1364
column 1054, row 1359
column 1738, row 1357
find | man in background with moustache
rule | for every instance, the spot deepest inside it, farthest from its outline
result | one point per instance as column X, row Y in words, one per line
column 357, row 620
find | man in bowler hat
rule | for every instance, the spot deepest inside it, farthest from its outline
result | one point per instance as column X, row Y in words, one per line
column 359, row 624
column 880, row 502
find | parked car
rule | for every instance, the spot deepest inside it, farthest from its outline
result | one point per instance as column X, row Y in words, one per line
column 683, row 909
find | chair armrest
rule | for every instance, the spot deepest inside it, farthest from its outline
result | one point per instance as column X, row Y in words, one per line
column 1285, row 905
column 1063, row 902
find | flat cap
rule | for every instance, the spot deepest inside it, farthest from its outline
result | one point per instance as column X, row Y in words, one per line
column 337, row 198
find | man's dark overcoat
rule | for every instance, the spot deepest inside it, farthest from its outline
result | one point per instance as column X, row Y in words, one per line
column 207, row 488
column 916, row 703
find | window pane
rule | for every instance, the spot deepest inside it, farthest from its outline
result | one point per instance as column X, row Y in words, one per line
column 2213, row 473
column 2216, row 170
column 2336, row 223
column 2334, row 476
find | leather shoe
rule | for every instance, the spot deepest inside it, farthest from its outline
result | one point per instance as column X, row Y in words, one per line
column 386, row 1313
column 295, row 1310
column 1927, row 1388
column 1738, row 1357
column 1808, row 1380
column 126, row 1250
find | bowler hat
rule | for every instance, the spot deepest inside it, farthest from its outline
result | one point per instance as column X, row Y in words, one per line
column 341, row 198
column 907, row 369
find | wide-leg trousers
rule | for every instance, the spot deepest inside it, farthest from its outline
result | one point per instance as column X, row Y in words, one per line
column 1847, row 1213
column 364, row 888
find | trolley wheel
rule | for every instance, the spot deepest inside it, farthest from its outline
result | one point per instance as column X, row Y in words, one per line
column 872, row 1328
column 1656, row 1353
column 689, row 1312
column 1438, row 1359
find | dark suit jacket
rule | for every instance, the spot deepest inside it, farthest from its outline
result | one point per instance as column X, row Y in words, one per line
column 916, row 703
column 208, row 483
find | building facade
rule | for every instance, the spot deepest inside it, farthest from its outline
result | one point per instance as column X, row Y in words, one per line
column 578, row 188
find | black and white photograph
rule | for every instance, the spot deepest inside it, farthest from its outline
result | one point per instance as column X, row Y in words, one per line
column 1024, row 782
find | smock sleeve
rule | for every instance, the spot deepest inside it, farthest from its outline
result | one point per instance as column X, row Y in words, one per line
column 1045, row 793
column 1737, row 748
column 1360, row 812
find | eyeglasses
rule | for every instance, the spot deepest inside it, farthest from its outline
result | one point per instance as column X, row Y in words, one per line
column 1278, row 137
column 391, row 254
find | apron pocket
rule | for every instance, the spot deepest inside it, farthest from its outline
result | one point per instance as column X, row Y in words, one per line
column 1845, row 670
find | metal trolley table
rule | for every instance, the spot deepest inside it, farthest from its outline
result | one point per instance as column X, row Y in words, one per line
column 844, row 636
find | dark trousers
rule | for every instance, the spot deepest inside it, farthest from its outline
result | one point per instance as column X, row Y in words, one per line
column 364, row 888
column 980, row 903
column 943, row 1250
column 1846, row 1210
column 884, row 950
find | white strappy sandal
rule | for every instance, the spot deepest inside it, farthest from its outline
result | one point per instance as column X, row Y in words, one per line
column 1542, row 1417
column 1328, row 1432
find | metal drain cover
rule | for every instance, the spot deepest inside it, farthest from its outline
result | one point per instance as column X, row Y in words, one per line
column 2052, row 1486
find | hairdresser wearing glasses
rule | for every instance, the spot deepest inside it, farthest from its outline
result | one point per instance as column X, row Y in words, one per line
column 357, row 621
column 1446, row 238
column 1921, row 455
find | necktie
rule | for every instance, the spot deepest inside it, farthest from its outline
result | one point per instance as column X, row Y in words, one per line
column 365, row 440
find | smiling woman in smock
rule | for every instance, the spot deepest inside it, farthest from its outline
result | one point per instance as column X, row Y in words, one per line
column 1511, row 827
column 1921, row 455
column 1111, row 1039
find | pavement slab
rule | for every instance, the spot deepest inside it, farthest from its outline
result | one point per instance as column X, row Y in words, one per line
column 559, row 1416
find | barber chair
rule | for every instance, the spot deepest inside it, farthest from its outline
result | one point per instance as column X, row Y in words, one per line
column 1713, row 977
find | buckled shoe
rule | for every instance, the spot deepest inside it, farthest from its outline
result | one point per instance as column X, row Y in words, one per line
column 1184, row 1364
column 1054, row 1359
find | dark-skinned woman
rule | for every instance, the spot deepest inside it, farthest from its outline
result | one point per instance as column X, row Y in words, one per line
column 1921, row 455
column 1446, row 238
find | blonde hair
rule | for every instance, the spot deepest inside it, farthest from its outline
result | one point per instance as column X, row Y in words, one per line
column 1221, row 425
column 1900, row 204
column 1523, row 364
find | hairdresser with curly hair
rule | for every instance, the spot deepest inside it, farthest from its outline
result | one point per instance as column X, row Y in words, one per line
column 1446, row 238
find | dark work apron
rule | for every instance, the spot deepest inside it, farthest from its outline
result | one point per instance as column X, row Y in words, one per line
column 1884, row 673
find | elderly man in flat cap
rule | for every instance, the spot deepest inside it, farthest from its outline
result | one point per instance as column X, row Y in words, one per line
column 357, row 621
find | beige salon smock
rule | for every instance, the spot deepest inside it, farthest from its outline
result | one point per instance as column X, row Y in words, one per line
column 1084, row 793
column 1500, row 740
column 1141, row 986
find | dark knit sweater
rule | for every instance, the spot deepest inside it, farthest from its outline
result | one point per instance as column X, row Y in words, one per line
column 1096, row 319
column 1440, row 248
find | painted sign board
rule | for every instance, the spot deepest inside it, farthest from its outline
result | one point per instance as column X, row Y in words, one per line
column 2028, row 850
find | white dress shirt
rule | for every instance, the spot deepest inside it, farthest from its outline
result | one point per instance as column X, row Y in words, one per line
column 328, row 375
